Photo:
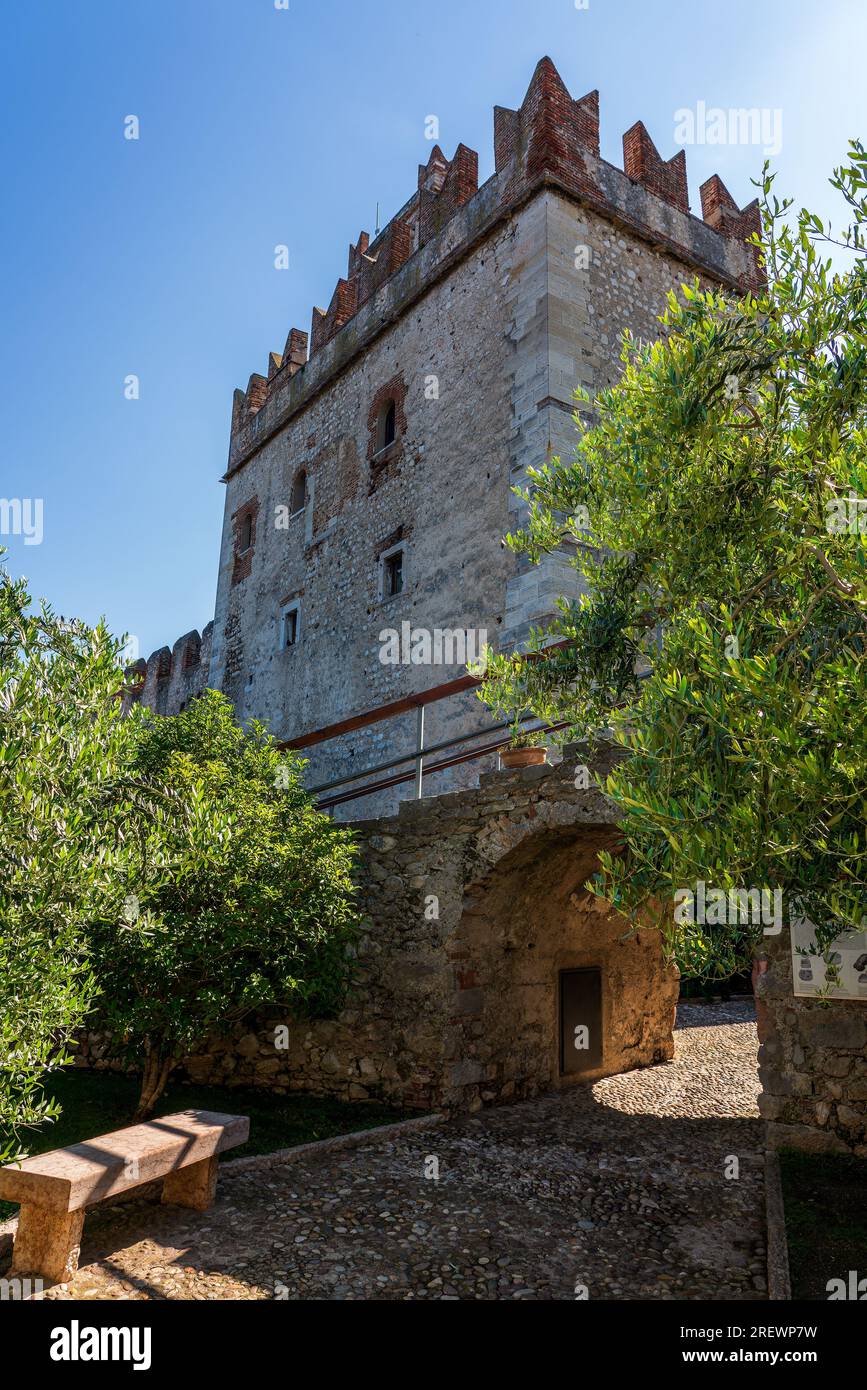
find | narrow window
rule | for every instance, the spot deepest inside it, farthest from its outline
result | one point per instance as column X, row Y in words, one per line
column 392, row 574
column 299, row 493
column 291, row 625
column 387, row 426
column 247, row 532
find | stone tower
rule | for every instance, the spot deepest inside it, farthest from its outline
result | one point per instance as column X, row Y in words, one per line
column 369, row 481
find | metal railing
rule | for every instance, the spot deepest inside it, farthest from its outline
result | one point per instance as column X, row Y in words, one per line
column 419, row 755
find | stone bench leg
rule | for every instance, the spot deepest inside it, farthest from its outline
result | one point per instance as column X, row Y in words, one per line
column 194, row 1186
column 48, row 1243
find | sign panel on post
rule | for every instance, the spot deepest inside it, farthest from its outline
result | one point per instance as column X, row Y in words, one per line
column 839, row 973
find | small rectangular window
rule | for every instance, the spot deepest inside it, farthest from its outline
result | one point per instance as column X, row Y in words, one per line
column 392, row 574
column 299, row 494
column 290, row 628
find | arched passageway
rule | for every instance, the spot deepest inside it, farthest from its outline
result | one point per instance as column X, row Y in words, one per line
column 566, row 992
column 482, row 955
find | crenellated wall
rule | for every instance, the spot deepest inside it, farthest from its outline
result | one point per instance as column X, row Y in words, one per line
column 551, row 140
column 168, row 680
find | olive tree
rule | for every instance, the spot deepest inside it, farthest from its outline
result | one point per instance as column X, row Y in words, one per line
column 62, row 745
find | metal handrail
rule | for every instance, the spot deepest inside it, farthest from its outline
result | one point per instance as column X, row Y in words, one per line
column 444, row 763
column 393, row 709
column 414, row 756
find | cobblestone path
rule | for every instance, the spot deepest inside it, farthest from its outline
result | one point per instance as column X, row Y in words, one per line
column 625, row 1188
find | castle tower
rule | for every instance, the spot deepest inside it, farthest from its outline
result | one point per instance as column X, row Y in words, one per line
column 369, row 482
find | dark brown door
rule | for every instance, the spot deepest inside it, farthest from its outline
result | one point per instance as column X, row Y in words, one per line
column 580, row 1021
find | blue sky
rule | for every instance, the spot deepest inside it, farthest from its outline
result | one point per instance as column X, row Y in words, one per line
column 262, row 126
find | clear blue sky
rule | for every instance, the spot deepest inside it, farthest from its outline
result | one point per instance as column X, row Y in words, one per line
column 262, row 126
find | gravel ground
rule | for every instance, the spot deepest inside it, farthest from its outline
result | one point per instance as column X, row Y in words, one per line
column 623, row 1190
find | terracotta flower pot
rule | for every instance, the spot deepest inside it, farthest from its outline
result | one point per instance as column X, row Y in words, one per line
column 523, row 757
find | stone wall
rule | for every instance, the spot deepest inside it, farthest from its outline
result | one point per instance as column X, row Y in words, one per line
column 440, row 491
column 475, row 903
column 812, row 1062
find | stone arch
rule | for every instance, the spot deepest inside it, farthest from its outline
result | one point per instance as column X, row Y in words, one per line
column 524, row 920
column 473, row 901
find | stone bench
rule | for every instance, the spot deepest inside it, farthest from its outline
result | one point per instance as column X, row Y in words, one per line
column 54, row 1189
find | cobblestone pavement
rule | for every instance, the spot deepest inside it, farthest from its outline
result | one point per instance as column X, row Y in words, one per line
column 621, row 1188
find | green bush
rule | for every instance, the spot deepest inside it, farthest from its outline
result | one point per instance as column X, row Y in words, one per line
column 238, row 893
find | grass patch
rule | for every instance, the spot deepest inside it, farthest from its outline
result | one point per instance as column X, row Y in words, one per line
column 826, row 1219
column 97, row 1102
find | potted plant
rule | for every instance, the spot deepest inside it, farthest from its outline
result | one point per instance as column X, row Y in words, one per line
column 524, row 749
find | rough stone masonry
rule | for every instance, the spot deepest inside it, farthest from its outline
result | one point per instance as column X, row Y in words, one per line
column 812, row 1062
